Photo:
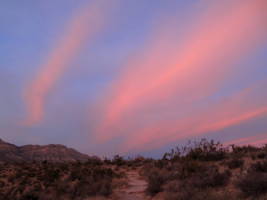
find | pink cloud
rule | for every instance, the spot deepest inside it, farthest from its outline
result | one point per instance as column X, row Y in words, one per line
column 235, row 110
column 256, row 140
column 168, row 68
column 83, row 27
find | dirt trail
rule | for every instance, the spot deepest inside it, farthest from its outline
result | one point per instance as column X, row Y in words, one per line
column 135, row 190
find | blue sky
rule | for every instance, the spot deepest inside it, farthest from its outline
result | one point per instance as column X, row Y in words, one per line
column 132, row 77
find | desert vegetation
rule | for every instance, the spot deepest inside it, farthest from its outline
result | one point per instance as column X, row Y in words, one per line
column 203, row 170
column 47, row 181
column 208, row 170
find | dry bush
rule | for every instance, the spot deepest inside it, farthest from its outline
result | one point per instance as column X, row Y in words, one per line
column 156, row 178
column 235, row 163
column 259, row 167
column 197, row 194
column 118, row 160
column 262, row 155
column 188, row 168
column 211, row 178
column 203, row 150
column 253, row 184
column 59, row 180
column 206, row 150
column 240, row 151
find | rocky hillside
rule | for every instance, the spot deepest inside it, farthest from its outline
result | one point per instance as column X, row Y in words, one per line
column 9, row 152
column 51, row 153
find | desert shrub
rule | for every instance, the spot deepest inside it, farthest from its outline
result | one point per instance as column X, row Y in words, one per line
column 63, row 167
column 118, row 160
column 203, row 150
column 92, row 187
column 235, row 163
column 207, row 151
column 210, row 178
column 188, row 168
column 259, row 167
column 160, row 163
column 179, row 191
column 105, row 188
column 156, row 178
column 253, row 156
column 59, row 180
column 253, row 184
column 187, row 171
column 242, row 150
column 95, row 161
column 261, row 155
column 2, row 184
column 30, row 196
column 107, row 161
column 52, row 175
column 174, row 155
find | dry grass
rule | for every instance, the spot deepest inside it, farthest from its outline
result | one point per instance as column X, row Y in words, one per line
column 47, row 181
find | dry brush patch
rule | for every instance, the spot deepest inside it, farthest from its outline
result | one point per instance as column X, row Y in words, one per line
column 47, row 181
column 208, row 170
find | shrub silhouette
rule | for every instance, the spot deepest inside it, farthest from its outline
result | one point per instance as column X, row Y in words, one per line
column 259, row 167
column 253, row 184
column 118, row 160
column 235, row 163
column 207, row 151
column 211, row 178
column 203, row 150
column 155, row 182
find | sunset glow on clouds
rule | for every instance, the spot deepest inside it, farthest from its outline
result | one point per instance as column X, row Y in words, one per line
column 232, row 111
column 189, row 67
column 84, row 26
column 150, row 79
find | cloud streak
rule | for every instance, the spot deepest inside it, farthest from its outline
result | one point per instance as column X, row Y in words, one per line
column 236, row 110
column 83, row 27
column 255, row 140
column 168, row 68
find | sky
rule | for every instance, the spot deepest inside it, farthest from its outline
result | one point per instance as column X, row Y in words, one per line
column 132, row 77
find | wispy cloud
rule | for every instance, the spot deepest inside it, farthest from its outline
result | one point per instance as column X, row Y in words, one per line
column 235, row 110
column 257, row 140
column 83, row 27
column 191, row 69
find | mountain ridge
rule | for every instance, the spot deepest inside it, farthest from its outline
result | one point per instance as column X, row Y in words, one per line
column 51, row 153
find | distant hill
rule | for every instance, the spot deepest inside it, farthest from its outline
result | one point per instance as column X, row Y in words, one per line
column 52, row 153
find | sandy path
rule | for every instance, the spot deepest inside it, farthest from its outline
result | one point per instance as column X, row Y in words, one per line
column 135, row 190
